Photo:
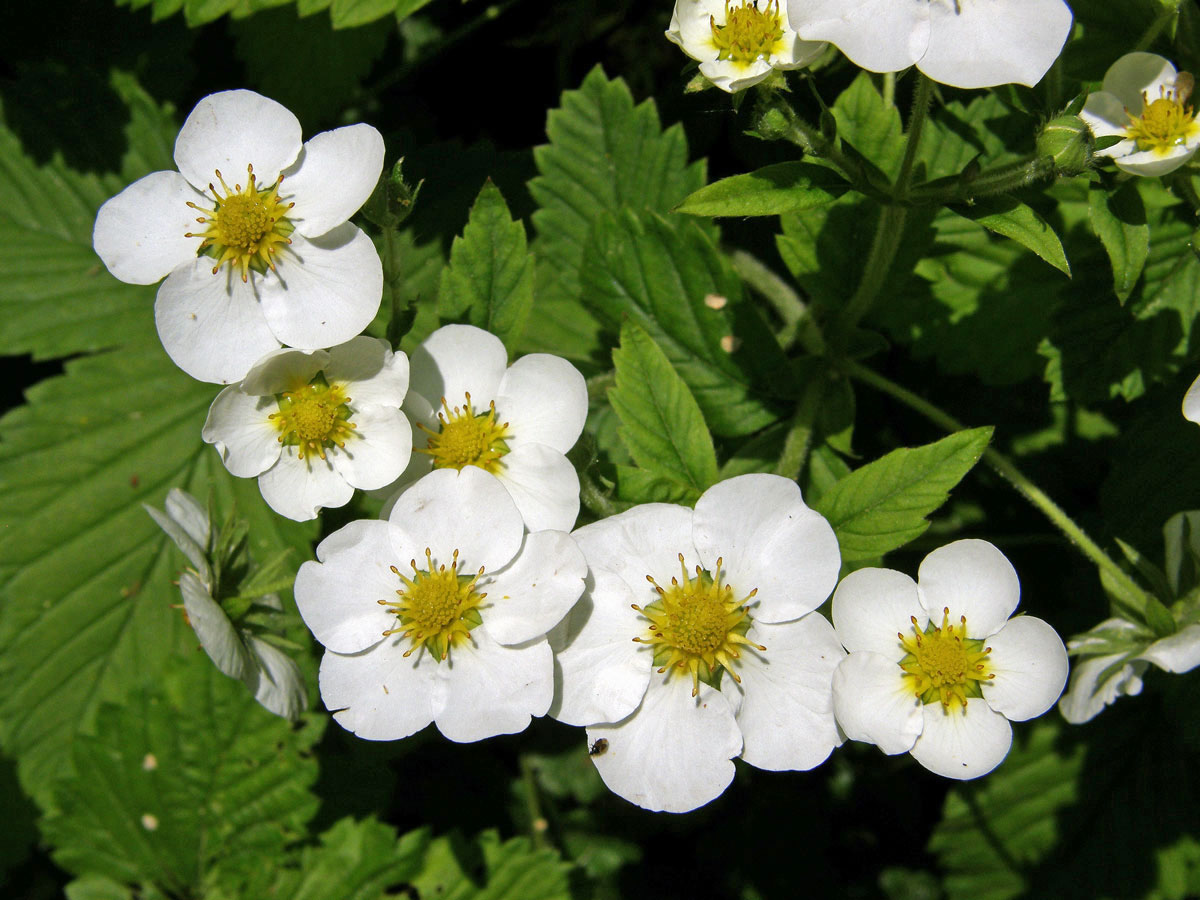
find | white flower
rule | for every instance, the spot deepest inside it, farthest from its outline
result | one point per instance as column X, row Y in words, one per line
column 674, row 597
column 963, row 43
column 439, row 614
column 1191, row 403
column 1144, row 101
column 1098, row 680
column 250, row 194
column 270, row 674
column 313, row 425
column 937, row 668
column 517, row 422
column 738, row 43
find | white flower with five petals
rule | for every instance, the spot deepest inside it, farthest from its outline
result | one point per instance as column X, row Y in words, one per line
column 962, row 43
column 313, row 425
column 739, row 43
column 470, row 408
column 439, row 614
column 677, row 599
column 936, row 667
column 251, row 234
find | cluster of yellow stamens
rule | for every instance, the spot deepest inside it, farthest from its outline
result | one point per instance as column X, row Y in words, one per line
column 1165, row 123
column 749, row 33
column 314, row 417
column 696, row 625
column 942, row 664
column 437, row 608
column 467, row 438
column 245, row 227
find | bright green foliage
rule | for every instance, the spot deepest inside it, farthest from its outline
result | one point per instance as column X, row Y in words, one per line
column 660, row 423
column 489, row 282
column 1019, row 222
column 869, row 125
column 490, row 869
column 789, row 187
column 672, row 281
column 186, row 775
column 343, row 13
column 1119, row 220
column 883, row 505
column 88, row 574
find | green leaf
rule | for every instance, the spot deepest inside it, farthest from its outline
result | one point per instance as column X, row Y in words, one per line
column 489, row 282
column 869, row 125
column 88, row 574
column 1019, row 222
column 660, row 422
column 56, row 297
column 186, row 774
column 604, row 154
column 1119, row 220
column 511, row 870
column 789, row 187
column 669, row 278
column 883, row 505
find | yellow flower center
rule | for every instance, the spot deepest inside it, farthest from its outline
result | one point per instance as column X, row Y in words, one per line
column 942, row 664
column 467, row 438
column 437, row 608
column 245, row 227
column 696, row 625
column 1165, row 123
column 749, row 33
column 314, row 417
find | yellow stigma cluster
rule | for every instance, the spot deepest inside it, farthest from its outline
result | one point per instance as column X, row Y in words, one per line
column 314, row 418
column 696, row 625
column 1165, row 123
column 465, row 438
column 748, row 33
column 245, row 227
column 437, row 608
column 942, row 664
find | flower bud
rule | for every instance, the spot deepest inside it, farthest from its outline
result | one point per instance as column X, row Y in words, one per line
column 1069, row 142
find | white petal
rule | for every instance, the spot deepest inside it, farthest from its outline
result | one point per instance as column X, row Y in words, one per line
column 544, row 485
column 456, row 360
column 871, row 606
column 333, row 176
column 186, row 524
column 873, row 704
column 963, row 745
column 215, row 632
column 189, row 514
column 544, row 400
column 211, row 326
column 1137, row 73
column 489, row 689
column 238, row 426
column 1087, row 695
column 1178, row 653
column 879, row 35
column 139, row 234
column 284, row 370
column 1151, row 163
column 339, row 597
column 644, row 540
column 233, row 129
column 973, row 579
column 732, row 77
column 600, row 673
column 1105, row 116
column 1191, row 403
column 327, row 289
column 301, row 488
column 768, row 539
column 532, row 593
column 786, row 709
column 278, row 684
column 377, row 452
column 980, row 44
column 675, row 753
column 469, row 511
column 374, row 375
column 378, row 694
column 1030, row 664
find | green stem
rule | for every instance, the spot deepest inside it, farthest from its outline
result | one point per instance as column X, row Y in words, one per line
column 1007, row 470
column 533, row 805
column 889, row 88
column 798, row 443
column 798, row 324
column 594, row 499
column 1150, row 35
column 1000, row 180
column 888, row 231
column 916, row 124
